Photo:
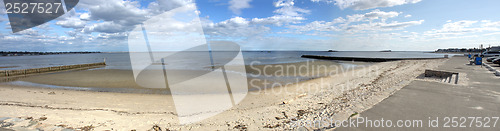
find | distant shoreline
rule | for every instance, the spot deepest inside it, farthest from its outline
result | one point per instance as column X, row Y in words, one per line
column 456, row 52
column 25, row 53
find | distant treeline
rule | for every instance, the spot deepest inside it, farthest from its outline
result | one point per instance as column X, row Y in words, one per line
column 26, row 53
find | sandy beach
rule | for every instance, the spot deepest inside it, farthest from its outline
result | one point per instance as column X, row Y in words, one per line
column 337, row 96
column 204, row 65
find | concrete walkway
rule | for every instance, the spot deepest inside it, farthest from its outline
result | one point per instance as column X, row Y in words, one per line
column 496, row 67
column 425, row 100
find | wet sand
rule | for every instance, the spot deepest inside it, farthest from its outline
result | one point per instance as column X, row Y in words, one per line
column 337, row 96
column 287, row 73
column 108, row 78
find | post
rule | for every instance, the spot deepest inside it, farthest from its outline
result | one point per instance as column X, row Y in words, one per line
column 3, row 73
column 456, row 78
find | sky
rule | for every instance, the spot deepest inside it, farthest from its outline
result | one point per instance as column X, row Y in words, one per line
column 343, row 25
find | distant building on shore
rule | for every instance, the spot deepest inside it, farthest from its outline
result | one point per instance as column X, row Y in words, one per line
column 461, row 50
column 494, row 48
column 469, row 50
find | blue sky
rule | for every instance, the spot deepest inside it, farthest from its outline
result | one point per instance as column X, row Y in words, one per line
column 365, row 25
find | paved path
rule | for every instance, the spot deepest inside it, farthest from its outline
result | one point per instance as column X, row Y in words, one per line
column 423, row 100
column 496, row 66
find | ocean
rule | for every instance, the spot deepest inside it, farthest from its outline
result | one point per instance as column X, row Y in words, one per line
column 263, row 69
column 122, row 60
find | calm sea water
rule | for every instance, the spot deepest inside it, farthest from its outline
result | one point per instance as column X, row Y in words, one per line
column 122, row 60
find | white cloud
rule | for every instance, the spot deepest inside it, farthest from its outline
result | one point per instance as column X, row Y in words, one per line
column 381, row 26
column 2, row 12
column 317, row 26
column 278, row 20
column 107, row 27
column 460, row 28
column 407, row 16
column 111, row 19
column 112, row 16
column 238, row 21
column 85, row 16
column 358, row 23
column 286, row 7
column 7, row 25
column 398, row 25
column 494, row 33
column 410, row 35
column 2, row 8
column 161, row 6
column 179, row 24
column 121, row 16
column 2, row 19
column 65, row 38
column 118, row 11
column 373, row 15
column 237, row 5
column 234, row 27
column 488, row 23
column 367, row 4
column 72, row 23
column 30, row 32
column 283, row 3
column 285, row 14
column 367, row 17
column 112, row 36
column 31, row 39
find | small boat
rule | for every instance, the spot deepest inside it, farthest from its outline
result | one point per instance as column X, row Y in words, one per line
column 332, row 51
column 386, row 51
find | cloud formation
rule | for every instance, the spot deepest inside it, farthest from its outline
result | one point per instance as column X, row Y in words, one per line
column 286, row 13
column 460, row 28
column 375, row 20
column 72, row 22
column 118, row 16
column 282, row 24
column 2, row 8
column 367, row 4
column 237, row 5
